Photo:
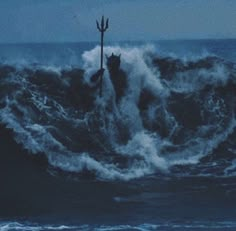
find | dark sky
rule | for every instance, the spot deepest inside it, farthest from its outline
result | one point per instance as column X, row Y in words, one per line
column 74, row 20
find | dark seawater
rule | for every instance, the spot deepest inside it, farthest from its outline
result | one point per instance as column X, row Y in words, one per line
column 162, row 158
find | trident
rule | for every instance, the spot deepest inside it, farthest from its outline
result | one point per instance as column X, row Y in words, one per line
column 102, row 28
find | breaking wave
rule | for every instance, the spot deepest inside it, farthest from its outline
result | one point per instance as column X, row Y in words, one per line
column 176, row 113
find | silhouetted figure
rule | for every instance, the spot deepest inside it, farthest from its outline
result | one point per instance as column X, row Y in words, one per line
column 117, row 76
column 95, row 78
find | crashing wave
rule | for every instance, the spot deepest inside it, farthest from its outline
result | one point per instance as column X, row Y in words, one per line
column 171, row 112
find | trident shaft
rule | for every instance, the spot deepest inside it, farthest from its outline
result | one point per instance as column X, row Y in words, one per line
column 102, row 28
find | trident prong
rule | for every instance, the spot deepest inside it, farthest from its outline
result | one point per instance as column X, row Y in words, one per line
column 107, row 21
column 102, row 28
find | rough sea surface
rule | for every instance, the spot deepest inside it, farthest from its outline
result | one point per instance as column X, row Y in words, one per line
column 162, row 158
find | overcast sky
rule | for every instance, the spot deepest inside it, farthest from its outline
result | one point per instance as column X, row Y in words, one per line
column 74, row 20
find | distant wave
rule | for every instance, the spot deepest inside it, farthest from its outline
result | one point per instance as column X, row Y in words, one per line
column 7, row 226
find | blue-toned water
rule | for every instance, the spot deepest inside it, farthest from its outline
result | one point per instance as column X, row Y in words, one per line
column 162, row 157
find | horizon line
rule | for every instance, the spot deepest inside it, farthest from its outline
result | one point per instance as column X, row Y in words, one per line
column 113, row 41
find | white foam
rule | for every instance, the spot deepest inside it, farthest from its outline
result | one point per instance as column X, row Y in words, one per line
column 146, row 146
column 103, row 170
column 9, row 226
column 198, row 147
column 194, row 80
column 140, row 75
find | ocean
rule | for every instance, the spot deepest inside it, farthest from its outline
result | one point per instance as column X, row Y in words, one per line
column 162, row 157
